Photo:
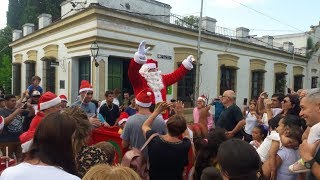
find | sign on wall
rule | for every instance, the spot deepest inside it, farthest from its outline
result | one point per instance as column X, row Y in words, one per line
column 161, row 56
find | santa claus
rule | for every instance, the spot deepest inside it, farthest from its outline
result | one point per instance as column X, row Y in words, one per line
column 144, row 73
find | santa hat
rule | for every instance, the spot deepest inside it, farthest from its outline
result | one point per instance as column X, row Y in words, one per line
column 85, row 86
column 123, row 117
column 143, row 98
column 1, row 123
column 63, row 98
column 203, row 98
column 48, row 100
column 150, row 64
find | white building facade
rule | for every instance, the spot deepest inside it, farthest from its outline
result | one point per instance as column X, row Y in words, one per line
column 226, row 63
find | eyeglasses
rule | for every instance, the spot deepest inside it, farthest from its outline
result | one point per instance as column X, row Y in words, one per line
column 89, row 93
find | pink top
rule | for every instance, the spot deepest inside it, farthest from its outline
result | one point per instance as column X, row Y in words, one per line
column 196, row 116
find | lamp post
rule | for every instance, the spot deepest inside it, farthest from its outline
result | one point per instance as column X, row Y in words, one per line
column 94, row 52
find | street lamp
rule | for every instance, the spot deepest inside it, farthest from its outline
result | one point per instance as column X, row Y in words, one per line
column 94, row 52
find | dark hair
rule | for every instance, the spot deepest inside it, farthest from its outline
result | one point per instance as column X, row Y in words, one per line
column 279, row 96
column 52, row 142
column 274, row 122
column 294, row 99
column 173, row 100
column 208, row 151
column 176, row 125
column 292, row 120
column 108, row 93
column 263, row 130
column 132, row 97
column 295, row 132
column 9, row 96
column 95, row 102
column 83, row 126
column 35, row 78
column 239, row 160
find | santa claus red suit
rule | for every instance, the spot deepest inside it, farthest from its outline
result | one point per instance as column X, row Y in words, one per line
column 143, row 73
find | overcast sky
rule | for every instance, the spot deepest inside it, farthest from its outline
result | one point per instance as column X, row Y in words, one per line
column 294, row 15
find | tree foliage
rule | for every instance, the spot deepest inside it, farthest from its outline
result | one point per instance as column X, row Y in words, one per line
column 188, row 21
column 19, row 13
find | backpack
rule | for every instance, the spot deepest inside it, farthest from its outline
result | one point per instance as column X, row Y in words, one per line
column 135, row 160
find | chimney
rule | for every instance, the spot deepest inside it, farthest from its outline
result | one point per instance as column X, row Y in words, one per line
column 242, row 34
column 268, row 40
column 44, row 20
column 28, row 28
column 288, row 46
column 16, row 34
column 209, row 24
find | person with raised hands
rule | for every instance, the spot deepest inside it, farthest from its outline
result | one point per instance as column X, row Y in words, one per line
column 143, row 73
column 168, row 154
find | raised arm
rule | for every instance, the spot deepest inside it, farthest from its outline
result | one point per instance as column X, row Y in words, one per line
column 147, row 124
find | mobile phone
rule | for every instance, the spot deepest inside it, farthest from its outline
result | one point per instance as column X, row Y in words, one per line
column 289, row 90
column 245, row 101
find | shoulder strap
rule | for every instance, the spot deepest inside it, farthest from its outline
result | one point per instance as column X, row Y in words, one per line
column 147, row 142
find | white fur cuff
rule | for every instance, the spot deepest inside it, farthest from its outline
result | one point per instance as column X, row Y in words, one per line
column 140, row 58
column 187, row 64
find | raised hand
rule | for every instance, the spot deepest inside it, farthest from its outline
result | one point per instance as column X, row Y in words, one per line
column 142, row 48
column 191, row 59
column 179, row 107
column 162, row 107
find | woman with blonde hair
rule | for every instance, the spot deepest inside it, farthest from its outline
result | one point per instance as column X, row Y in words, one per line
column 106, row 172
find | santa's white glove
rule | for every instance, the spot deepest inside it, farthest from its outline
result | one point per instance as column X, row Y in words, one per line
column 140, row 56
column 187, row 63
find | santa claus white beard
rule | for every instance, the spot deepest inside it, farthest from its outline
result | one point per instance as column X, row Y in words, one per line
column 154, row 80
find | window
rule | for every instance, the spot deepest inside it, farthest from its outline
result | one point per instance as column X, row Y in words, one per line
column 297, row 82
column 84, row 69
column 16, row 79
column 314, row 82
column 257, row 83
column 49, row 75
column 30, row 72
column 186, row 88
column 280, row 82
column 227, row 79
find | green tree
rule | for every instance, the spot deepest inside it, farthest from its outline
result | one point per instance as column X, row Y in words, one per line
column 188, row 21
column 14, row 14
column 5, row 59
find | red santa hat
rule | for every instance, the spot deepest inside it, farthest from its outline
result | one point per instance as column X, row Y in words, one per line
column 150, row 64
column 48, row 100
column 123, row 117
column 63, row 98
column 85, row 86
column 203, row 98
column 1, row 123
column 143, row 98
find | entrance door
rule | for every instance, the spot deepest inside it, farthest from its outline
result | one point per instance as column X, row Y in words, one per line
column 84, row 69
column 118, row 74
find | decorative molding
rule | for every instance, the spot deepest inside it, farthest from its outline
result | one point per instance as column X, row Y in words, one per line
column 257, row 65
column 32, row 55
column 298, row 71
column 228, row 60
column 280, row 68
column 18, row 58
column 51, row 51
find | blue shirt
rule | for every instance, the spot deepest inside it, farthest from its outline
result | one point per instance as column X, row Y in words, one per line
column 89, row 108
column 32, row 88
column 130, row 111
column 218, row 108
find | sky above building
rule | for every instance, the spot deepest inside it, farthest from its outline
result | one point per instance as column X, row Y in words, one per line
column 262, row 17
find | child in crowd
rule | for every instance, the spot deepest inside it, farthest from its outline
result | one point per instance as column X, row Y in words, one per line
column 259, row 133
column 35, row 85
column 314, row 135
column 108, row 149
column 287, row 154
column 122, row 121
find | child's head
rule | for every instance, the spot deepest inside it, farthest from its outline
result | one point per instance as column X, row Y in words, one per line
column 259, row 132
column 291, row 136
column 289, row 121
column 36, row 80
column 108, row 149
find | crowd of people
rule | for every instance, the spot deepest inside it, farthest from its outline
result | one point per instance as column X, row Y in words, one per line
column 273, row 137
